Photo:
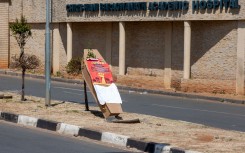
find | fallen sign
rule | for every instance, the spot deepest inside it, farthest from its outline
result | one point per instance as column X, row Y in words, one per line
column 98, row 78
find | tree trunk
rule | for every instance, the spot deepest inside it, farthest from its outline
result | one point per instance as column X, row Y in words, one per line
column 23, row 74
column 23, row 85
column 21, row 53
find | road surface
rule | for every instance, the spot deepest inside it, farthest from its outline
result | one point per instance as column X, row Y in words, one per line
column 215, row 114
column 16, row 139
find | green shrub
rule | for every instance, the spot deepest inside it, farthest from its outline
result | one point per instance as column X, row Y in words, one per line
column 74, row 66
column 59, row 74
column 91, row 54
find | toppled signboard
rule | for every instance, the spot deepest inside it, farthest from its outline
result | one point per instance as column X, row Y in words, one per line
column 98, row 77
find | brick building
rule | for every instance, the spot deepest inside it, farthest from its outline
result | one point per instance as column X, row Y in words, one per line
column 192, row 45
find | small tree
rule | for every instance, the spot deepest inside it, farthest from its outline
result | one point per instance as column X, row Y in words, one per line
column 21, row 31
column 74, row 66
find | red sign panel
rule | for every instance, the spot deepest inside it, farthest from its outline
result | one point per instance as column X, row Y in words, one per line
column 99, row 71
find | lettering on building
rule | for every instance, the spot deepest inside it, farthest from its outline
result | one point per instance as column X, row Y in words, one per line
column 155, row 6
column 215, row 4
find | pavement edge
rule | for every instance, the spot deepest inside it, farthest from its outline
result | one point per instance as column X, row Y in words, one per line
column 113, row 138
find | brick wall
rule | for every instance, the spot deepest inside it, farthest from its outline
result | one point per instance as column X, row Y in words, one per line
column 89, row 35
column 85, row 35
column 15, row 10
column 144, row 45
column 214, row 50
column 33, row 10
column 4, row 33
column 144, row 54
column 177, row 53
column 144, row 48
column 213, row 47
column 35, row 45
column 63, row 46
column 115, row 48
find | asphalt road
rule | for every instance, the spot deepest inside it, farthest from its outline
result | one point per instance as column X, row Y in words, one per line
column 215, row 114
column 16, row 139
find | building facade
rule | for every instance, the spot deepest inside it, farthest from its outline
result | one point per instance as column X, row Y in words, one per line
column 194, row 45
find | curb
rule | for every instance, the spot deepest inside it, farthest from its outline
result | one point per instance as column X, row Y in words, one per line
column 47, row 124
column 125, row 88
column 11, row 73
column 27, row 121
column 108, row 137
column 67, row 129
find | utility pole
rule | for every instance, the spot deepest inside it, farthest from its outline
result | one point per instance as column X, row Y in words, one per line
column 47, row 54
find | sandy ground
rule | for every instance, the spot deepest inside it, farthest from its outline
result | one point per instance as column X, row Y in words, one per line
column 186, row 135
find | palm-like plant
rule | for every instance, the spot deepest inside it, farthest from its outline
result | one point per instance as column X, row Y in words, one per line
column 21, row 31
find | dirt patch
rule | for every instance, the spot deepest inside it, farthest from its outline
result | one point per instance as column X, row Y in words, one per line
column 186, row 135
column 145, row 82
column 204, row 138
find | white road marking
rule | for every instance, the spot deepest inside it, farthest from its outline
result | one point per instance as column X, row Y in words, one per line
column 202, row 110
column 70, row 89
column 73, row 93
